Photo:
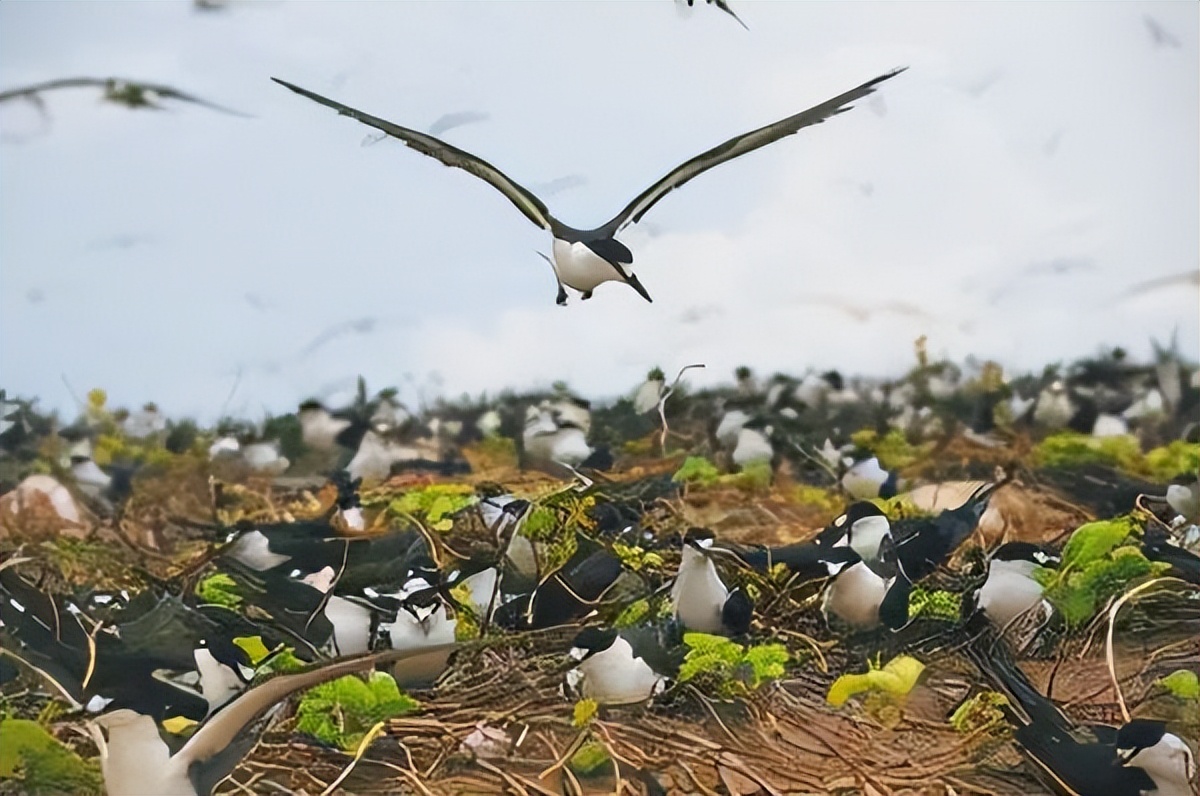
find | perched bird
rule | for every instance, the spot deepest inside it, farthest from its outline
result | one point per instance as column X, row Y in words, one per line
column 868, row 592
column 622, row 667
column 1136, row 759
column 322, row 430
column 1011, row 597
column 753, row 443
column 562, row 596
column 862, row 527
column 867, row 479
column 555, row 439
column 702, row 600
column 924, row 543
column 136, row 761
column 583, row 259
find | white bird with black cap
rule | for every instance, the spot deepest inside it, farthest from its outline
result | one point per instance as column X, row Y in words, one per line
column 583, row 259
column 702, row 600
column 622, row 667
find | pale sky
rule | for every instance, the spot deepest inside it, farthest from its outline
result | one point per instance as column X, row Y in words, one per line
column 1034, row 162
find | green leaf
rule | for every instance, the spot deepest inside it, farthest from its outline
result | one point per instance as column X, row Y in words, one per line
column 341, row 711
column 633, row 613
column 1095, row 539
column 584, row 712
column 979, row 712
column 1071, row 449
column 590, row 758
column 219, row 589
column 943, row 606
column 698, row 471
column 435, row 503
column 892, row 449
column 897, row 678
column 1182, row 683
column 32, row 757
column 727, row 668
column 1177, row 458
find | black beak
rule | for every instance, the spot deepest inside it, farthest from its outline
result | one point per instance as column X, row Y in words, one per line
column 633, row 282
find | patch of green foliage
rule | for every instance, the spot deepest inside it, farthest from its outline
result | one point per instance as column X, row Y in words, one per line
column 466, row 626
column 1071, row 449
column 1097, row 564
column 266, row 660
column 944, row 606
column 31, row 756
column 590, row 760
column 541, row 523
column 219, row 589
column 340, row 712
column 728, row 669
column 893, row 449
column 895, row 678
column 827, row 500
column 286, row 429
column 1163, row 464
column 754, row 476
column 583, row 713
column 635, row 558
column 1183, row 684
column 647, row 608
column 899, row 507
column 110, row 448
column 435, row 504
column 980, row 713
column 697, row 471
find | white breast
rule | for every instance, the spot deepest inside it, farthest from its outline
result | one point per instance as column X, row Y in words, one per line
column 1169, row 763
column 752, row 446
column 579, row 267
column 351, row 625
column 616, row 677
column 1009, row 591
column 138, row 763
column 698, row 593
column 855, row 596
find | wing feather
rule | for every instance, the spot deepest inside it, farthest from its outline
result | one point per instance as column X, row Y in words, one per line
column 737, row 146
column 448, row 155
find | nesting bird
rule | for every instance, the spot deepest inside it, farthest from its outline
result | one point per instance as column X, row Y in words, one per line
column 702, row 600
column 621, row 667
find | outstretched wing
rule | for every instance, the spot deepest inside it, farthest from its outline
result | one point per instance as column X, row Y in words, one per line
column 736, row 146
column 222, row 728
column 50, row 85
column 448, row 155
column 173, row 93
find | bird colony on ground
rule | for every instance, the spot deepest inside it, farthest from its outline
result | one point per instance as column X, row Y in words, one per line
column 950, row 582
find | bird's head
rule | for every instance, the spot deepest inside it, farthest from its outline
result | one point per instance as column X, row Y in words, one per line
column 590, row 641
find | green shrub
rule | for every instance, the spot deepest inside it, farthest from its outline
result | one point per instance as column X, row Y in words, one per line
column 340, row 712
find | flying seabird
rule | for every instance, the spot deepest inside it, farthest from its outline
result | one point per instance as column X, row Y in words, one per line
column 131, row 93
column 586, row 258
